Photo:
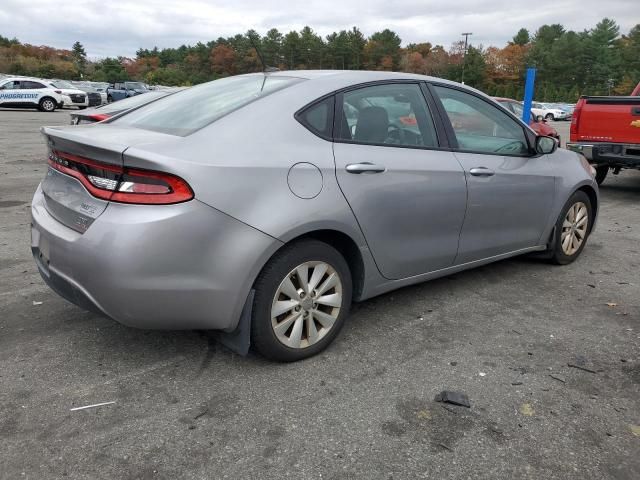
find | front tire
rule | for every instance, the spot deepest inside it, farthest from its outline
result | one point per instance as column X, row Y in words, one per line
column 302, row 299
column 47, row 104
column 601, row 173
column 572, row 228
column 550, row 117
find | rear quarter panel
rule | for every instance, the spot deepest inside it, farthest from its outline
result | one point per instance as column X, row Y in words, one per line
column 240, row 165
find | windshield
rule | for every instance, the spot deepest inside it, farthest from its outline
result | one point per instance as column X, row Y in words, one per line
column 135, row 85
column 63, row 84
column 189, row 110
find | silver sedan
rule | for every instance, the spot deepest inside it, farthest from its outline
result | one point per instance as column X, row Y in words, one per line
column 262, row 205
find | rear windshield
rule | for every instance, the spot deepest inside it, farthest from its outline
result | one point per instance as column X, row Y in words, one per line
column 132, row 102
column 185, row 112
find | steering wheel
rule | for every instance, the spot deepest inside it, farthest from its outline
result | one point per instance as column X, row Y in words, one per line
column 395, row 134
column 511, row 147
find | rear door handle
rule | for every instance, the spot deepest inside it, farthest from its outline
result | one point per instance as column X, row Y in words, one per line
column 482, row 172
column 365, row 167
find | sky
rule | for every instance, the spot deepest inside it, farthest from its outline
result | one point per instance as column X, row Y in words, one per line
column 113, row 28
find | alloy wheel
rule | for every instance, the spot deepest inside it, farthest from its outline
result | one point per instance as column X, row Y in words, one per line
column 306, row 304
column 48, row 106
column 574, row 228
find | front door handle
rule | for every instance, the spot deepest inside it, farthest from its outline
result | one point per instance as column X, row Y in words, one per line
column 482, row 172
column 364, row 167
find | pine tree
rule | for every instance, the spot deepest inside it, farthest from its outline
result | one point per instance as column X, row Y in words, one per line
column 79, row 57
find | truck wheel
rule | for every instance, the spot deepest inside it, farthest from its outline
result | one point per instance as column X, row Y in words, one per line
column 572, row 229
column 47, row 104
column 601, row 173
column 549, row 117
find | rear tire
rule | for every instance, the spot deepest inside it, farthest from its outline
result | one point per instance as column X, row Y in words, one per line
column 47, row 104
column 302, row 299
column 601, row 173
column 572, row 228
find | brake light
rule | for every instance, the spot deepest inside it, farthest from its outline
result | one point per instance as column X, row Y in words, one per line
column 575, row 120
column 98, row 117
column 122, row 184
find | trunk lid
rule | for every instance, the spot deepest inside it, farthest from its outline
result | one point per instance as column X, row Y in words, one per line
column 66, row 198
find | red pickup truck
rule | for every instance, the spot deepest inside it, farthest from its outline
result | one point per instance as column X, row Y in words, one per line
column 606, row 130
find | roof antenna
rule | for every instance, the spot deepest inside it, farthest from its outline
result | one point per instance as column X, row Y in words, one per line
column 265, row 67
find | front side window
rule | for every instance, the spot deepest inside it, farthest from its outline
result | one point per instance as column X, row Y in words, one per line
column 189, row 110
column 481, row 127
column 10, row 85
column 388, row 114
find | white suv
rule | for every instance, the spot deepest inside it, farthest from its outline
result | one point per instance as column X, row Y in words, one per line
column 548, row 112
column 71, row 96
column 25, row 92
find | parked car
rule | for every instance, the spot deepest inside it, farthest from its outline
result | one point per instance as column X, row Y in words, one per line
column 543, row 111
column 94, row 99
column 26, row 92
column 71, row 95
column 120, row 90
column 539, row 126
column 606, row 130
column 109, row 110
column 250, row 205
column 93, row 88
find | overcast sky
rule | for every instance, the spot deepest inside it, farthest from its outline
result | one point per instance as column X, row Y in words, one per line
column 120, row 27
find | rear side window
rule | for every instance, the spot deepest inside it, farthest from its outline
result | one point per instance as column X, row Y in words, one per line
column 319, row 118
column 28, row 85
column 189, row 110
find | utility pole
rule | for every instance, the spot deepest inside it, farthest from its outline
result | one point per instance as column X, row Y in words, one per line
column 464, row 54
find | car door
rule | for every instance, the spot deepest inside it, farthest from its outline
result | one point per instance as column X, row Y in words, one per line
column 407, row 192
column 510, row 190
column 10, row 93
column 33, row 90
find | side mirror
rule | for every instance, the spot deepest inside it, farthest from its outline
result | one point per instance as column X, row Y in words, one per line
column 546, row 145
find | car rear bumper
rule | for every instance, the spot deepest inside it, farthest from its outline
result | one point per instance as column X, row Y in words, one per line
column 612, row 154
column 183, row 266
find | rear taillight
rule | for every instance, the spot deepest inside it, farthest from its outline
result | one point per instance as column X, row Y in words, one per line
column 122, row 184
column 98, row 117
column 575, row 120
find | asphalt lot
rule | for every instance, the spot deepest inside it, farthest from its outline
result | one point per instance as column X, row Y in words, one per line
column 187, row 408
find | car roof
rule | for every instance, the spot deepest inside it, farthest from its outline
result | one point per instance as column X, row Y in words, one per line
column 31, row 79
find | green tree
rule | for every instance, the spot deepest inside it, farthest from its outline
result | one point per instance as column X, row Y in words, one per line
column 79, row 57
column 380, row 45
column 522, row 37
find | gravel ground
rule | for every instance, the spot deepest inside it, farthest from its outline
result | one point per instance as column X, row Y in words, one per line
column 187, row 408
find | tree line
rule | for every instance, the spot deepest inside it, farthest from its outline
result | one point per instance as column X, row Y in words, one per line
column 596, row 61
